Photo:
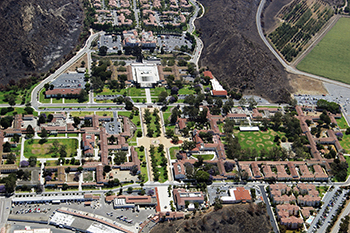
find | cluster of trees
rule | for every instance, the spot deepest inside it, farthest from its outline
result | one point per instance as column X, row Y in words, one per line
column 100, row 75
column 339, row 170
column 148, row 120
column 163, row 161
column 119, row 157
column 329, row 106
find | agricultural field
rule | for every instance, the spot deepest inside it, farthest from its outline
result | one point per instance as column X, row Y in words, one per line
column 257, row 140
column 301, row 21
column 330, row 57
column 32, row 147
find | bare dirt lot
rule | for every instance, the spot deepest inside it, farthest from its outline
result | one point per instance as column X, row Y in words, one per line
column 240, row 218
column 306, row 86
column 73, row 67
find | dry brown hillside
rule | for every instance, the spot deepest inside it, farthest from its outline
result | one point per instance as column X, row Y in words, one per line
column 35, row 33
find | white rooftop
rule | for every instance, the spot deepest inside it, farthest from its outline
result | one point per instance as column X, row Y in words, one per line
column 145, row 74
column 62, row 219
column 216, row 85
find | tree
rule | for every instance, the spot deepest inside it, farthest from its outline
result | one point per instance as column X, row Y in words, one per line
column 162, row 96
column 43, row 133
column 202, row 176
column 175, row 139
column 242, row 102
column 128, row 104
column 32, row 161
column 107, row 168
column 217, row 204
column 252, row 102
column 29, row 110
column 62, row 151
column 6, row 122
column 83, row 96
column 11, row 158
column 130, row 190
column 102, row 51
column 120, row 157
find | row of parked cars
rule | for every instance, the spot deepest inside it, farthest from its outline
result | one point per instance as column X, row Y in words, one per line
column 125, row 219
column 32, row 210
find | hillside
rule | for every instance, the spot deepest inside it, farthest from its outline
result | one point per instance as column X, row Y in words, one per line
column 35, row 34
column 234, row 52
column 240, row 218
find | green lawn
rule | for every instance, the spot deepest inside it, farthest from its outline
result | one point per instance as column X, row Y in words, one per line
column 205, row 157
column 80, row 114
column 173, row 151
column 157, row 90
column 142, row 158
column 135, row 119
column 331, row 56
column 345, row 142
column 166, row 115
column 257, row 140
column 342, row 123
column 19, row 111
column 3, row 93
column 133, row 91
column 161, row 169
column 75, row 101
column 42, row 98
column 104, row 114
column 107, row 91
column 33, row 148
column 29, row 93
column 322, row 190
column 187, row 90
column 57, row 101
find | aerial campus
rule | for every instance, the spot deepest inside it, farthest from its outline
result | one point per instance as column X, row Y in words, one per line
column 131, row 132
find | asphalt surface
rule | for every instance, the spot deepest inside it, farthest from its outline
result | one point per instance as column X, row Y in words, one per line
column 269, row 210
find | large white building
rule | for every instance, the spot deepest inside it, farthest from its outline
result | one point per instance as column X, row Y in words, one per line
column 145, row 75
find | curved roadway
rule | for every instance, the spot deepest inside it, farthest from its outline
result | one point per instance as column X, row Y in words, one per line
column 35, row 93
column 284, row 64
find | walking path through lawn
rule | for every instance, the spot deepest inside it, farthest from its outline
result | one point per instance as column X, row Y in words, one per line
column 148, row 95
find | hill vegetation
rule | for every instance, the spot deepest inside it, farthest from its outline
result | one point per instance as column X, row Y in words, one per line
column 236, row 55
column 240, row 218
column 36, row 34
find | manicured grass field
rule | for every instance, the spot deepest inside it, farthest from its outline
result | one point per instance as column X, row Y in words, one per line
column 257, row 140
column 135, row 119
column 342, row 123
column 205, row 157
column 43, row 150
column 42, row 98
column 132, row 91
column 104, row 113
column 345, row 142
column 331, row 56
column 157, row 90
column 80, row 114
column 57, row 101
column 187, row 90
column 161, row 169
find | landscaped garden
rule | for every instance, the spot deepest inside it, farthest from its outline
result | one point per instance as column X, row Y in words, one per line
column 342, row 123
column 141, row 155
column 173, row 151
column 51, row 148
column 330, row 58
column 159, row 163
column 258, row 140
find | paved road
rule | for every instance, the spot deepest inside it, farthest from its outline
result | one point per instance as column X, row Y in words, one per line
column 5, row 204
column 35, row 92
column 283, row 63
column 269, row 211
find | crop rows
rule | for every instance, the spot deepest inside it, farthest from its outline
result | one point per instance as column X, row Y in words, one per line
column 301, row 22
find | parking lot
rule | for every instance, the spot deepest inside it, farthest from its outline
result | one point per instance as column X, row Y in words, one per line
column 125, row 217
column 170, row 42
column 70, row 80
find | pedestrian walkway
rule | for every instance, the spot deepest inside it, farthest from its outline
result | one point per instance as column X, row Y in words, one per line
column 148, row 95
